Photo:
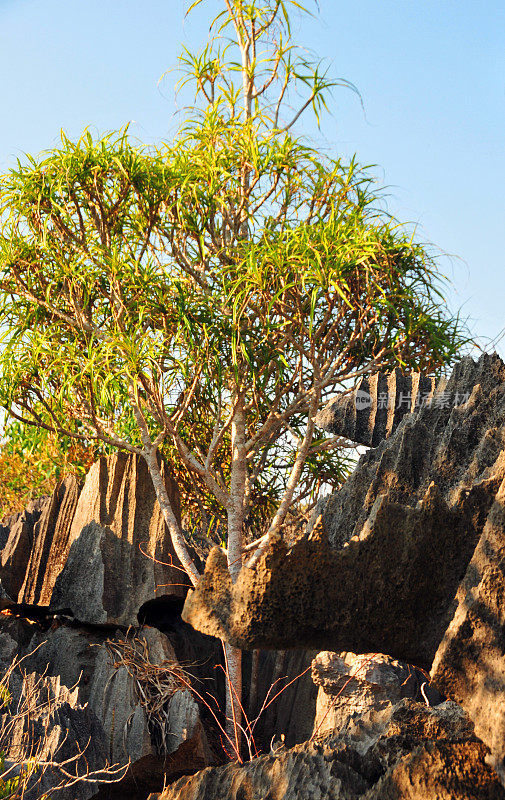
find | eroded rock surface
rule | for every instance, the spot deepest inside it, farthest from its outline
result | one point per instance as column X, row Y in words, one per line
column 45, row 721
column 114, row 687
column 405, row 751
column 98, row 551
column 373, row 411
column 16, row 542
column 380, row 571
column 351, row 685
column 469, row 665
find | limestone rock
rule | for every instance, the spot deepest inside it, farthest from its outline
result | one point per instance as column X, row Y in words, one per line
column 45, row 721
column 297, row 774
column 292, row 714
column 100, row 551
column 89, row 658
column 373, row 411
column 16, row 541
column 469, row 665
column 351, row 685
column 49, row 547
column 418, row 752
column 380, row 571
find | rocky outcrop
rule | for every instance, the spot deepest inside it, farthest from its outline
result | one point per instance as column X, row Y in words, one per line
column 351, row 685
column 97, row 551
column 49, row 547
column 407, row 751
column 130, row 683
column 375, row 408
column 407, row 558
column 16, row 542
column 44, row 721
column 380, row 570
column 469, row 665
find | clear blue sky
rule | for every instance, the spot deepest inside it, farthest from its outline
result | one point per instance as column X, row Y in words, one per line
column 431, row 74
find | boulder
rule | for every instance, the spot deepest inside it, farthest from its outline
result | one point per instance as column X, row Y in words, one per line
column 380, row 570
column 148, row 714
column 351, row 685
column 406, row 750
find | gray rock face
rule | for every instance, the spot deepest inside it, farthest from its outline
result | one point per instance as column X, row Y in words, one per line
column 161, row 745
column 380, row 571
column 5, row 600
column 403, row 751
column 45, row 721
column 293, row 712
column 469, row 665
column 373, row 411
column 16, row 541
column 116, row 532
column 98, row 551
column 50, row 542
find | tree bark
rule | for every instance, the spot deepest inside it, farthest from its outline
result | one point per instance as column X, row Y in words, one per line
column 178, row 541
column 235, row 529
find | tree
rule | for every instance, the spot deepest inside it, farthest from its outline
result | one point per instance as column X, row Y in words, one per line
column 206, row 296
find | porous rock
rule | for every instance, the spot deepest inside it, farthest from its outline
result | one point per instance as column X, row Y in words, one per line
column 380, row 570
column 350, row 685
column 402, row 751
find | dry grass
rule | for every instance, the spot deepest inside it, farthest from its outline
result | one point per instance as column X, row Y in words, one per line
column 154, row 684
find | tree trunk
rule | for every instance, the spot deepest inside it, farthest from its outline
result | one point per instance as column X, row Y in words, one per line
column 233, row 660
column 178, row 541
column 235, row 528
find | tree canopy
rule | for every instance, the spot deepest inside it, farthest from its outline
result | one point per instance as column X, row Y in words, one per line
column 146, row 291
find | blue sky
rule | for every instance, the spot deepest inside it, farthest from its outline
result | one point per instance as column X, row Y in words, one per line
column 431, row 74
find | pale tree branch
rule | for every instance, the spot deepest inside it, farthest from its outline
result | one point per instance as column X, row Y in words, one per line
column 292, row 482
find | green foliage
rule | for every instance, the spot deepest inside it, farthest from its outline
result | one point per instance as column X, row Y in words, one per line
column 147, row 293
column 33, row 461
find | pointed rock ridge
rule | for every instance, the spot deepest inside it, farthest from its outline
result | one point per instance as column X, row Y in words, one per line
column 469, row 665
column 16, row 541
column 50, row 543
column 375, row 408
column 118, row 550
column 100, row 550
column 380, row 570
